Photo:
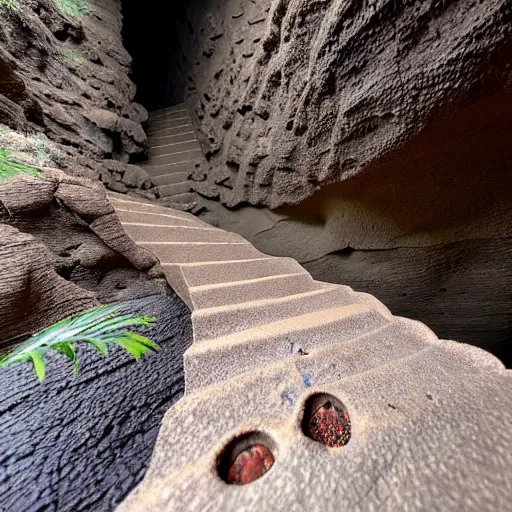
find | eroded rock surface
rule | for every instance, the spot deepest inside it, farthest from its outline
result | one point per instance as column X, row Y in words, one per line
column 63, row 250
column 64, row 76
column 292, row 95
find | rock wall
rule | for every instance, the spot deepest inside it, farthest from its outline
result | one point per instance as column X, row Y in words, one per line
column 365, row 128
column 47, row 274
column 290, row 95
column 64, row 77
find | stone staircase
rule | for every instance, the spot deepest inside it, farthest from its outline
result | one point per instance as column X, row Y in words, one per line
column 174, row 149
column 267, row 337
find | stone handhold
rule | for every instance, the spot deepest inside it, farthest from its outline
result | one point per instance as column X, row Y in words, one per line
column 217, row 34
column 260, row 18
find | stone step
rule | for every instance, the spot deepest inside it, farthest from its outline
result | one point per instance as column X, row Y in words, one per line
column 171, row 178
column 175, row 147
column 163, row 124
column 174, row 189
column 270, row 287
column 168, row 116
column 177, row 157
column 152, row 208
column 178, row 130
column 152, row 218
column 141, row 233
column 169, row 252
column 224, row 358
column 215, row 322
column 171, row 139
column 161, row 170
column 217, row 272
column 171, row 108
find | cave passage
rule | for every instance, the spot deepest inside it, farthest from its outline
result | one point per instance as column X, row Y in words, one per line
column 151, row 35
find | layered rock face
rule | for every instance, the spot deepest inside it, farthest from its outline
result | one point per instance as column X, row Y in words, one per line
column 292, row 95
column 64, row 77
column 47, row 274
column 364, row 128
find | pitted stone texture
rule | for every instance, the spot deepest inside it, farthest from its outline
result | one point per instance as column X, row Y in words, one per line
column 296, row 95
column 32, row 294
column 66, row 75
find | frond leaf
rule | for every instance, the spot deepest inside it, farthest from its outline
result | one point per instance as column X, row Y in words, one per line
column 99, row 327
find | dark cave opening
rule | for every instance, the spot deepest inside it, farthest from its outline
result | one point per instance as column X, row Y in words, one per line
column 152, row 36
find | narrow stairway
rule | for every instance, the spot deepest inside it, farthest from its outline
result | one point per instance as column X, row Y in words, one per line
column 268, row 339
column 248, row 308
column 174, row 149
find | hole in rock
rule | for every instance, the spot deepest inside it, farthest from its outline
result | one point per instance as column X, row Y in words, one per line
column 246, row 458
column 326, row 420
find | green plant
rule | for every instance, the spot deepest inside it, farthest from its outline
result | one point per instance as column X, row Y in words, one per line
column 74, row 7
column 100, row 328
column 10, row 167
column 11, row 4
column 73, row 57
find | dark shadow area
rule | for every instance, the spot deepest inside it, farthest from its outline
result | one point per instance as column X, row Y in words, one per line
column 152, row 36
column 77, row 443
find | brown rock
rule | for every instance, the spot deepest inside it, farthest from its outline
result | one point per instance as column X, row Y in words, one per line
column 32, row 294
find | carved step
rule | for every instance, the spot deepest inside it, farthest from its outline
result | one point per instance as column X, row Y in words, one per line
column 152, row 208
column 190, row 252
column 167, row 110
column 215, row 322
column 177, row 157
column 224, row 358
column 230, row 271
column 144, row 232
column 222, row 294
column 173, row 189
column 166, row 132
column 183, row 136
column 173, row 147
column 127, row 216
column 171, row 178
column 165, row 123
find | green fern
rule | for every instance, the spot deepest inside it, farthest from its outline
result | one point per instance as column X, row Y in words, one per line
column 75, row 7
column 11, row 4
column 9, row 167
column 100, row 328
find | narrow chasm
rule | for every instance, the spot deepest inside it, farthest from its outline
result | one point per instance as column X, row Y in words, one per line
column 152, row 36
